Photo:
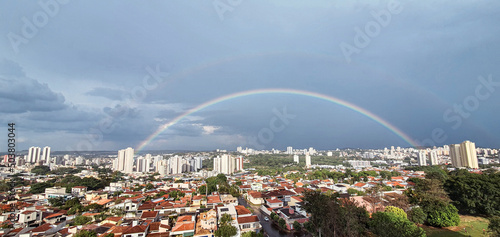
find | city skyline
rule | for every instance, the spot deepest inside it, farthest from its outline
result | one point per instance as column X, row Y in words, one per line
column 86, row 76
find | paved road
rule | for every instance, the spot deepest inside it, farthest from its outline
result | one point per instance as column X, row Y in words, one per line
column 267, row 225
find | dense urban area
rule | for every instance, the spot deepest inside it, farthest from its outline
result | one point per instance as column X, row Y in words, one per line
column 437, row 191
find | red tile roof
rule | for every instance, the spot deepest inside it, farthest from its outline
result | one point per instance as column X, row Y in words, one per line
column 149, row 214
column 242, row 210
column 135, row 229
column 183, row 226
column 42, row 228
column 248, row 219
column 53, row 215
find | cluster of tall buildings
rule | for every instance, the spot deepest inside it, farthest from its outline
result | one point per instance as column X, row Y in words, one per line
column 126, row 163
column 464, row 155
column 36, row 155
column 228, row 164
column 422, row 157
column 178, row 165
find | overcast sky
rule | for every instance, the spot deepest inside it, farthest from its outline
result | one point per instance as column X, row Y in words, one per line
column 105, row 75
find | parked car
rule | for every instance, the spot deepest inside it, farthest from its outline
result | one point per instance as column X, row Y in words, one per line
column 266, row 218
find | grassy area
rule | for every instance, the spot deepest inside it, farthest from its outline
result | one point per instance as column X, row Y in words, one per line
column 469, row 226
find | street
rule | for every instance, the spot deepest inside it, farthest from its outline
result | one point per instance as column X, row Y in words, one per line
column 267, row 225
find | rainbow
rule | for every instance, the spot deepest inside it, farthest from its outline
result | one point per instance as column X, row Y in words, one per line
column 328, row 98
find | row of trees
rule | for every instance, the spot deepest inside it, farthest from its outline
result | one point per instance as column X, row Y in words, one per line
column 332, row 216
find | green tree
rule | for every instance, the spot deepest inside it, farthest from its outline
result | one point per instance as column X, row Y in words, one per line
column 225, row 228
column 417, row 215
column 81, row 220
column 297, row 226
column 74, row 202
column 225, row 219
column 149, row 186
column 56, row 202
column 40, row 187
column 397, row 211
column 443, row 216
column 494, row 226
column 282, row 223
column 40, row 170
column 274, row 216
column 226, row 231
column 475, row 193
column 86, row 233
column 390, row 224
column 334, row 217
column 4, row 187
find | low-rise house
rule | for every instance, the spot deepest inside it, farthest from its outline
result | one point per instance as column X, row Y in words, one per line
column 230, row 209
column 249, row 223
column 78, row 190
column 242, row 211
column 206, row 223
column 150, row 215
column 229, row 199
column 274, row 203
column 290, row 216
column 255, row 198
column 55, row 192
column 184, row 226
column 136, row 231
column 29, row 217
column 112, row 220
column 54, row 218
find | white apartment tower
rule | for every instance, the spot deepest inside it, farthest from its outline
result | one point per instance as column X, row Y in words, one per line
column 46, row 154
column 227, row 164
column 434, row 158
column 33, row 155
column 422, row 158
column 125, row 160
column 464, row 155
column 289, row 150
column 308, row 161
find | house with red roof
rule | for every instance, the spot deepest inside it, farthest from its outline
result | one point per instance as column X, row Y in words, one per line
column 274, row 202
column 249, row 223
column 136, row 231
column 184, row 226
column 255, row 198
column 242, row 211
column 150, row 215
column 54, row 218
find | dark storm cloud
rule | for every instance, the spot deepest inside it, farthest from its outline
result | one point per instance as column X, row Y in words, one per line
column 19, row 94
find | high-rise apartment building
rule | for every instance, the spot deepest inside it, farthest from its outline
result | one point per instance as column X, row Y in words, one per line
column 308, row 161
column 33, row 155
column 434, row 157
column 422, row 158
column 464, row 155
column 227, row 164
column 125, row 160
column 289, row 150
column 46, row 154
